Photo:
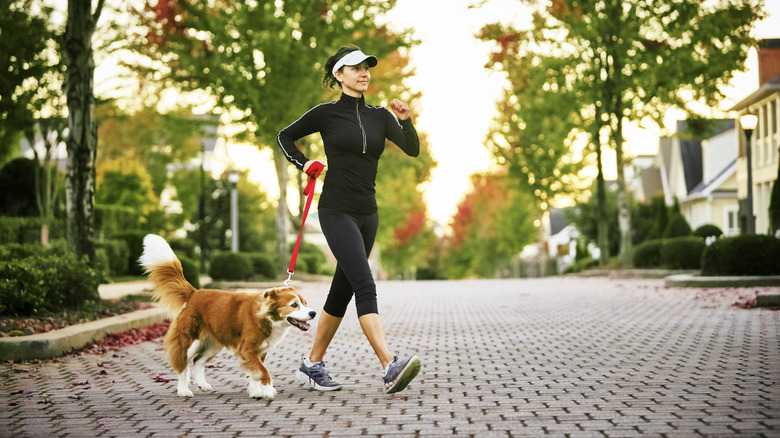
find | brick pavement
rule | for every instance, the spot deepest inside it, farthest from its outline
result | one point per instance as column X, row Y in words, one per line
column 558, row 357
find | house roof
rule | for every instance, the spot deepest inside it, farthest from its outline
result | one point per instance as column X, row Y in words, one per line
column 765, row 90
column 703, row 189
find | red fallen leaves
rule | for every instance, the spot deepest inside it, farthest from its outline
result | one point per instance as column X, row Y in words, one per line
column 131, row 337
column 161, row 379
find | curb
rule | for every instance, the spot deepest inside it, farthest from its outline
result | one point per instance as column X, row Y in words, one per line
column 687, row 280
column 59, row 342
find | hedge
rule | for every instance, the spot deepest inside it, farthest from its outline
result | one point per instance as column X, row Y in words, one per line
column 647, row 254
column 747, row 254
column 707, row 230
column 682, row 252
column 231, row 266
column 46, row 283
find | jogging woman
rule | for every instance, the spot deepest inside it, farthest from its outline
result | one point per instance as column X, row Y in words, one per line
column 354, row 137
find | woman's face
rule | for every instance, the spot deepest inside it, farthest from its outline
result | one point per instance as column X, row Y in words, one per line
column 354, row 79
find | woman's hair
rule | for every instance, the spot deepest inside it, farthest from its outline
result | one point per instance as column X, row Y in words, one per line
column 329, row 80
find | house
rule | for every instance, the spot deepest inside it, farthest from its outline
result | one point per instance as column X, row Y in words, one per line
column 701, row 175
column 764, row 141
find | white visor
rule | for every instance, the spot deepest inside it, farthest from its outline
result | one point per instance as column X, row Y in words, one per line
column 354, row 58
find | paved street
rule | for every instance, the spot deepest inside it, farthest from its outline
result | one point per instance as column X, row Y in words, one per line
column 558, row 357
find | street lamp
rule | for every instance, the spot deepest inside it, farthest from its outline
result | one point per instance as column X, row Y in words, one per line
column 208, row 141
column 749, row 123
column 233, row 179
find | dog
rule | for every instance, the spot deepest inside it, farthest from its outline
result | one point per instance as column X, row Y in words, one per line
column 204, row 321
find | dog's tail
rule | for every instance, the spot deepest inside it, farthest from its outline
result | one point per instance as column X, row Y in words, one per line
column 171, row 289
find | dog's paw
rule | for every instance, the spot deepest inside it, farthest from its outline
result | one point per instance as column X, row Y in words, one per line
column 205, row 387
column 184, row 392
column 258, row 390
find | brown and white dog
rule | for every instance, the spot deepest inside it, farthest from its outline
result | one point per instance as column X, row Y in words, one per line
column 206, row 320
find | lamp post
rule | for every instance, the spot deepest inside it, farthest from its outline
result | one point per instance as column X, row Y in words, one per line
column 208, row 141
column 749, row 122
column 233, row 179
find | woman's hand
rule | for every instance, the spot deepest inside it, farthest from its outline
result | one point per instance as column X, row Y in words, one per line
column 400, row 109
column 313, row 168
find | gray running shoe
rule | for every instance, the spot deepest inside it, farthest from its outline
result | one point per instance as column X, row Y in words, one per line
column 316, row 377
column 400, row 372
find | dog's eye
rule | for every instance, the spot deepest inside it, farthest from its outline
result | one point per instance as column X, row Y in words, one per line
column 294, row 305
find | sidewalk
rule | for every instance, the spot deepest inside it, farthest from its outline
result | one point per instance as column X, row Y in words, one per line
column 555, row 356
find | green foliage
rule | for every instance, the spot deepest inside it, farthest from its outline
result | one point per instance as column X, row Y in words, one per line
column 114, row 218
column 184, row 247
column 586, row 218
column 117, row 256
column 263, row 265
column 46, row 283
column 748, row 254
column 191, row 269
column 648, row 254
column 707, row 230
column 310, row 258
column 682, row 252
column 677, row 227
column 27, row 65
column 28, row 229
column 231, row 266
column 134, row 239
column 580, row 265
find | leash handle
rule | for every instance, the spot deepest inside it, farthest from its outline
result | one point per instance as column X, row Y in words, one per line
column 309, row 191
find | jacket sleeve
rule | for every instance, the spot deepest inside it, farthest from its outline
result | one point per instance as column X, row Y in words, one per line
column 402, row 133
column 308, row 123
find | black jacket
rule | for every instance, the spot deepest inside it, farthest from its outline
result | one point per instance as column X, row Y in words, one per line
column 354, row 137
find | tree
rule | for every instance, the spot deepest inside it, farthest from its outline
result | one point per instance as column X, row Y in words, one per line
column 634, row 60
column 493, row 224
column 261, row 60
column 25, row 42
column 82, row 136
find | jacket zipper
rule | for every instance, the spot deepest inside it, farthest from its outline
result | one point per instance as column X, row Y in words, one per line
column 360, row 122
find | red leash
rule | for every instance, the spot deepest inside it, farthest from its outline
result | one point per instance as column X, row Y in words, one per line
column 309, row 191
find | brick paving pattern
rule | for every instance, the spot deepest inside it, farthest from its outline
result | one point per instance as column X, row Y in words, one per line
column 559, row 357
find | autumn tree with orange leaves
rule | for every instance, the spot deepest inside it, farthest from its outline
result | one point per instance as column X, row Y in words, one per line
column 493, row 223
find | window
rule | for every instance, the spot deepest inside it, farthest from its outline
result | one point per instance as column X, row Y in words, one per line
column 732, row 221
column 773, row 115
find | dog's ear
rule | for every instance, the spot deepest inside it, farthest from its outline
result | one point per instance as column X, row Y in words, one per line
column 270, row 293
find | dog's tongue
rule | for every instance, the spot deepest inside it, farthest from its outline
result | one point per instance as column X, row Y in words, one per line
column 303, row 325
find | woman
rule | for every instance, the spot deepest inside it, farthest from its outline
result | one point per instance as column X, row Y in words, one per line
column 354, row 137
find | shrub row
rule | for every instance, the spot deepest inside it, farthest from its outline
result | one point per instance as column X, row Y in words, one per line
column 674, row 253
column 742, row 255
column 46, row 283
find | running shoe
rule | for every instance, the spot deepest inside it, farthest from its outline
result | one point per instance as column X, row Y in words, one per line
column 316, row 377
column 400, row 372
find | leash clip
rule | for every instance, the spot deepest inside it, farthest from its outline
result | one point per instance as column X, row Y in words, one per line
column 289, row 278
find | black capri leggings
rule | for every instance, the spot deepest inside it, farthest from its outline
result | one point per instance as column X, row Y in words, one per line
column 350, row 238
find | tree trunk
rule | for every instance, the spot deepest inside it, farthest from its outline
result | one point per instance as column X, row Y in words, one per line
column 282, row 212
column 82, row 138
column 624, row 214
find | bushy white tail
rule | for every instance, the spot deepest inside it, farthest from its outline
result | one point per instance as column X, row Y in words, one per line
column 156, row 252
column 171, row 289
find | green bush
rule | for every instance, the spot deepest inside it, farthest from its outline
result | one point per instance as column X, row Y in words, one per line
column 232, row 266
column 118, row 256
column 263, row 265
column 581, row 265
column 748, row 254
column 134, row 239
column 27, row 229
column 184, row 247
column 677, row 227
column 12, row 251
column 46, row 283
column 111, row 220
column 311, row 258
column 191, row 270
column 682, row 252
column 707, row 230
column 648, row 254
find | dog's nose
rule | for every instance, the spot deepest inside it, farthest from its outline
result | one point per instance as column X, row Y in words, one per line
column 312, row 314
